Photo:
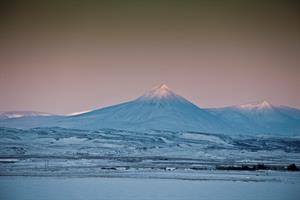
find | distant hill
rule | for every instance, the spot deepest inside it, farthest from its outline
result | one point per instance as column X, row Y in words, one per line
column 18, row 114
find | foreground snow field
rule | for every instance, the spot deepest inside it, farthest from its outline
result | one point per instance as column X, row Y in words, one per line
column 57, row 151
column 25, row 188
column 58, row 163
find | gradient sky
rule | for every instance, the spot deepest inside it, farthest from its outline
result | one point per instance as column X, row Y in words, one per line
column 71, row 56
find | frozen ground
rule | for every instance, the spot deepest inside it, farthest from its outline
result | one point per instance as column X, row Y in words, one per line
column 57, row 163
column 57, row 151
column 44, row 188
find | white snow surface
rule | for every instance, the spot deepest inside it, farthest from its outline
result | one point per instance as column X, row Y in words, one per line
column 48, row 188
column 18, row 114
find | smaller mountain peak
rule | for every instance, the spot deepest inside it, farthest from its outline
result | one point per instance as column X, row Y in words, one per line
column 257, row 105
column 18, row 114
column 264, row 103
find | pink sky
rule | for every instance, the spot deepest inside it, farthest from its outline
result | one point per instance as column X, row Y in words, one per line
column 68, row 67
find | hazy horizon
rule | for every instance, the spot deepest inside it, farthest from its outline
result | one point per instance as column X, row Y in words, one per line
column 260, row 101
column 63, row 57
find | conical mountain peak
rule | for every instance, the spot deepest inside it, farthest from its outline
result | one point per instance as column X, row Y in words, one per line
column 163, row 87
column 162, row 90
column 159, row 92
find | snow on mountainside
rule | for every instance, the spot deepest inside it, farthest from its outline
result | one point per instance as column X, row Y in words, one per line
column 261, row 118
column 256, row 105
column 17, row 114
column 162, row 109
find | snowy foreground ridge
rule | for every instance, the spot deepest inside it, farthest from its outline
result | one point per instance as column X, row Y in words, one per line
column 162, row 109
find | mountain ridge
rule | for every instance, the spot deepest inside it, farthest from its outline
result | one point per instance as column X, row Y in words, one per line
column 18, row 114
column 162, row 109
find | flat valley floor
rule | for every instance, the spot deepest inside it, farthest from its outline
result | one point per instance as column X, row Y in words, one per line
column 93, row 188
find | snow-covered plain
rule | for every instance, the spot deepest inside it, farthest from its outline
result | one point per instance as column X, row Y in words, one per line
column 12, row 188
column 109, row 152
column 58, row 163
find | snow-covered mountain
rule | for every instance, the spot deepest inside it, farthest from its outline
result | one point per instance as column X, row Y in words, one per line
column 162, row 109
column 18, row 114
column 159, row 108
column 261, row 118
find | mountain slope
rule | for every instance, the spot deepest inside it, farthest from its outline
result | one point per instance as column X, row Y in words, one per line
column 160, row 108
column 261, row 118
